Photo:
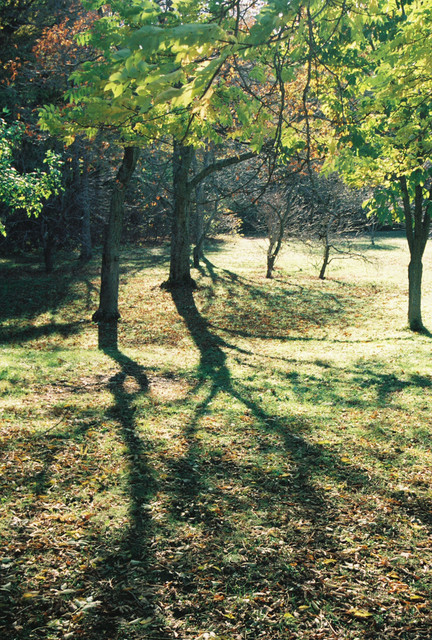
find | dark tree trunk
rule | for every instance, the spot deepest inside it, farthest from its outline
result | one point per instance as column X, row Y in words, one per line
column 180, row 239
column 199, row 232
column 270, row 265
column 325, row 261
column 417, row 219
column 415, row 272
column 198, row 253
column 108, row 300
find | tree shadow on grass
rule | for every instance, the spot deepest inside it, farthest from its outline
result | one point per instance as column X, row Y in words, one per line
column 13, row 335
column 125, row 579
column 300, row 489
column 26, row 292
column 309, row 502
column 117, row 590
column 213, row 368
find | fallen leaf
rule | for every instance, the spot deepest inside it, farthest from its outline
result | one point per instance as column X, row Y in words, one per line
column 360, row 613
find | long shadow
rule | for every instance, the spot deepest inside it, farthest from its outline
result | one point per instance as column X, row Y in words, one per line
column 213, row 368
column 128, row 568
column 310, row 504
column 26, row 292
column 15, row 336
column 314, row 300
column 308, row 458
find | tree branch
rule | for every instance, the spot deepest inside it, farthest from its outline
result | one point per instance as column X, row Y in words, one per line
column 218, row 165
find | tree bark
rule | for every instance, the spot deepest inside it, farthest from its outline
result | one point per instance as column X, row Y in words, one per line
column 179, row 275
column 108, row 300
column 417, row 224
column 325, row 261
column 198, row 227
column 198, row 252
column 415, row 272
column 275, row 244
column 270, row 265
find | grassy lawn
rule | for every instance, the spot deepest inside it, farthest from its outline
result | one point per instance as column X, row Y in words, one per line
column 253, row 461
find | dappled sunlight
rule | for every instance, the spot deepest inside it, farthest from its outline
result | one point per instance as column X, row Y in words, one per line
column 209, row 472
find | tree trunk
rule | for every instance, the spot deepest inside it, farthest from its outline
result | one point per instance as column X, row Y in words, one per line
column 108, row 300
column 270, row 265
column 199, row 226
column 198, row 252
column 275, row 245
column 417, row 226
column 325, row 261
column 179, row 275
column 415, row 271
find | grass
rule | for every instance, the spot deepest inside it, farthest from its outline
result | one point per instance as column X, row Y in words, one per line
column 252, row 461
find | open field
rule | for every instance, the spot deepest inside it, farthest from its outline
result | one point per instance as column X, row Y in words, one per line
column 253, row 461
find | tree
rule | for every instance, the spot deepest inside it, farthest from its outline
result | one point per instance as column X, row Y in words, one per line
column 153, row 69
column 385, row 122
column 329, row 213
column 108, row 301
column 40, row 51
column 187, row 71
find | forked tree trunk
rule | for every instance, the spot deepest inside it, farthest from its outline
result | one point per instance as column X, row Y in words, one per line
column 417, row 219
column 179, row 274
column 108, row 300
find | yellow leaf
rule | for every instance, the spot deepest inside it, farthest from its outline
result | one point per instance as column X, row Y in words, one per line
column 360, row 613
column 30, row 594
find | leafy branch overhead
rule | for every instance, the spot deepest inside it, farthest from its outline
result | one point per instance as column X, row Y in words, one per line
column 197, row 71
